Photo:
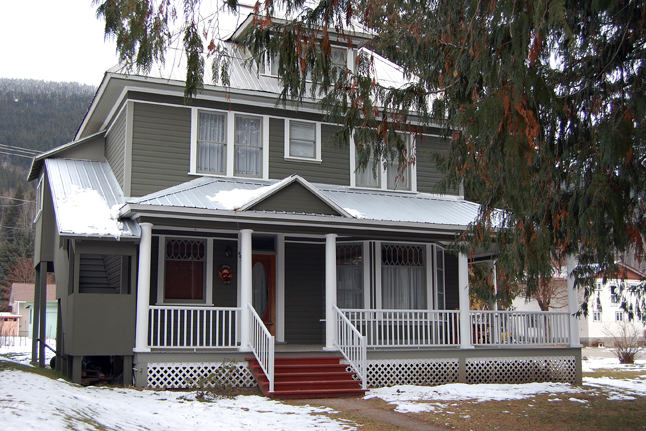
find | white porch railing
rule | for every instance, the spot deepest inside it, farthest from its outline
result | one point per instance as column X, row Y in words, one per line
column 262, row 344
column 352, row 346
column 406, row 328
column 519, row 328
column 176, row 327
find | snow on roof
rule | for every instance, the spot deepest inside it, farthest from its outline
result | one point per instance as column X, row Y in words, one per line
column 87, row 197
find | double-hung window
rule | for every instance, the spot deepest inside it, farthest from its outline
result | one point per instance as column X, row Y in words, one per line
column 596, row 316
column 212, row 142
column 388, row 176
column 302, row 140
column 248, row 146
column 228, row 143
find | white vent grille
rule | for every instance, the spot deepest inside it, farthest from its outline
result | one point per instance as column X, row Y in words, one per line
column 521, row 370
column 179, row 375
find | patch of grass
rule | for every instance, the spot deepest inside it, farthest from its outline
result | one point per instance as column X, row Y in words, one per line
column 617, row 374
column 46, row 372
column 538, row 413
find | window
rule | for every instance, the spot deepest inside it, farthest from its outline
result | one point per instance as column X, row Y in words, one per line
column 184, row 270
column 403, row 277
column 269, row 66
column 339, row 58
column 248, row 146
column 349, row 276
column 224, row 143
column 596, row 316
column 619, row 316
column 373, row 174
column 302, row 140
column 212, row 143
column 614, row 295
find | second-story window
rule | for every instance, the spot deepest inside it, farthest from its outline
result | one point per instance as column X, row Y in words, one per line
column 248, row 146
column 390, row 176
column 302, row 140
column 212, row 143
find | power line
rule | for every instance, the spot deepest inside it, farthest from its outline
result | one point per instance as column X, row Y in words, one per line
column 16, row 199
column 20, row 149
column 17, row 155
column 16, row 228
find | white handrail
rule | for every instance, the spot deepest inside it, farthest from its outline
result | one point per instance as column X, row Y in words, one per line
column 179, row 327
column 406, row 328
column 352, row 345
column 520, row 327
column 262, row 345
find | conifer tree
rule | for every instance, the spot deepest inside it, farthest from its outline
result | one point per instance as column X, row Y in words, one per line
column 543, row 102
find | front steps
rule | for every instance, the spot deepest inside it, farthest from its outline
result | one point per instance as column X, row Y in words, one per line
column 307, row 377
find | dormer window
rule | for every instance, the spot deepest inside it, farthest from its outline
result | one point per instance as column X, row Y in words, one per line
column 269, row 66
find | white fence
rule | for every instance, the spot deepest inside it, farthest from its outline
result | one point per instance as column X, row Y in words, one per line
column 193, row 327
column 519, row 328
column 352, row 346
column 406, row 328
column 262, row 344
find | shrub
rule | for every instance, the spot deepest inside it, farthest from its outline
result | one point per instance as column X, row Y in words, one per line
column 628, row 342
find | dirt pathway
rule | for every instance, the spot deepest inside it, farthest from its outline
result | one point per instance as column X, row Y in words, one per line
column 367, row 409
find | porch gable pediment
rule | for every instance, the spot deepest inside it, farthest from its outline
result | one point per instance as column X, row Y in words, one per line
column 295, row 195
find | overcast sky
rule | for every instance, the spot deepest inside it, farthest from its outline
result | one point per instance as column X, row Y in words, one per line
column 60, row 40
column 53, row 41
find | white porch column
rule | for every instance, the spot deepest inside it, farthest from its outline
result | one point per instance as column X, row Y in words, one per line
column 143, row 288
column 246, row 282
column 330, row 290
column 463, row 288
column 572, row 302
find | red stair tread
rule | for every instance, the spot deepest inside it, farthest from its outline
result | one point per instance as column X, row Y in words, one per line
column 307, row 377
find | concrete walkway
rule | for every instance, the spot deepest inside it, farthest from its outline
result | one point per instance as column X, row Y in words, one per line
column 364, row 408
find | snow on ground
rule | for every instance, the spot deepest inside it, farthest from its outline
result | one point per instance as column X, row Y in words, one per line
column 417, row 399
column 29, row 401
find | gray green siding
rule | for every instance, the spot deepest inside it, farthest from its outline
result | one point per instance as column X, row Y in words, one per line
column 115, row 147
column 294, row 198
column 161, row 144
column 427, row 173
column 333, row 169
column 304, row 293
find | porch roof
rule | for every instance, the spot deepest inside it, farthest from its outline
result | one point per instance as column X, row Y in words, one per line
column 86, row 198
column 240, row 196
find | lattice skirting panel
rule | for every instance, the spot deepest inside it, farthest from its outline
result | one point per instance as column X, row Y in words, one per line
column 521, row 369
column 390, row 372
column 182, row 375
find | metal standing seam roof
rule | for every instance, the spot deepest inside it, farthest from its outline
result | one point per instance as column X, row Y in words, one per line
column 363, row 204
column 67, row 178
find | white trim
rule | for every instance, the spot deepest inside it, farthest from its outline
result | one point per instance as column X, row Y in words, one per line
column 127, row 159
column 265, row 147
column 378, row 295
column 193, row 151
column 161, row 268
column 353, row 163
column 97, row 96
column 317, row 141
column 123, row 107
column 195, row 111
column 40, row 197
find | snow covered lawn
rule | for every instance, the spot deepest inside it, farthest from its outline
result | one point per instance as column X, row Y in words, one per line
column 30, row 401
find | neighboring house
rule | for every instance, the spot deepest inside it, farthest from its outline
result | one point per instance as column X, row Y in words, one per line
column 9, row 323
column 184, row 235
column 21, row 301
column 605, row 316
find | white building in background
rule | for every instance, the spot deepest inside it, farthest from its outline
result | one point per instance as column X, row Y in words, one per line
column 605, row 315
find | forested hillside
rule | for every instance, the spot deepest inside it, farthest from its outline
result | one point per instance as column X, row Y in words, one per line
column 35, row 116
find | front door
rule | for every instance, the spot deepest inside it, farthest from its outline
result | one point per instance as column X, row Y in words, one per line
column 264, row 289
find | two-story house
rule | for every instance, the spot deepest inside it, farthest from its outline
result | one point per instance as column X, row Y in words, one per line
column 184, row 235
